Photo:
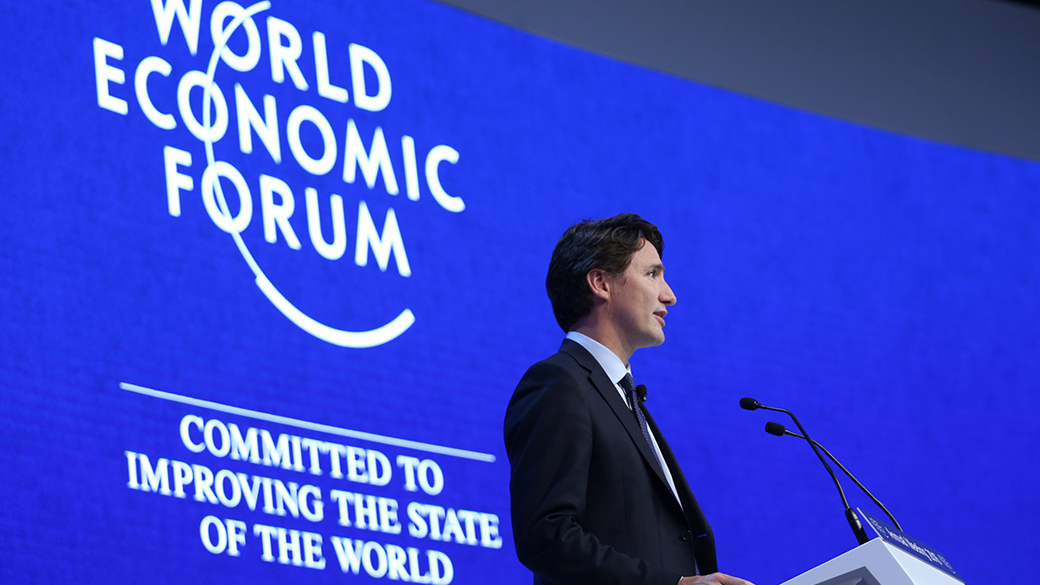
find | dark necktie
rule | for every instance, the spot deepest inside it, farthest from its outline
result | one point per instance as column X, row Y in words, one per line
column 630, row 390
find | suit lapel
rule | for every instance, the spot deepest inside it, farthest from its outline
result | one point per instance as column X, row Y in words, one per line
column 608, row 391
column 704, row 538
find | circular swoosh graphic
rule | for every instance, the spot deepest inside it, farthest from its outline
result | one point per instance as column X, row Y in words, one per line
column 357, row 339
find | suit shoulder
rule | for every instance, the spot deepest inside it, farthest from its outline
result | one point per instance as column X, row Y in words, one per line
column 550, row 401
column 558, row 371
column 552, row 382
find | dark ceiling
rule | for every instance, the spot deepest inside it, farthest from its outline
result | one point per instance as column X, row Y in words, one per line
column 960, row 71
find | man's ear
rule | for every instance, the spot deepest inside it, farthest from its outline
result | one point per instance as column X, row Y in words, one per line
column 599, row 283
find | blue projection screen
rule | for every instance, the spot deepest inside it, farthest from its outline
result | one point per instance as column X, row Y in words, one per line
column 270, row 273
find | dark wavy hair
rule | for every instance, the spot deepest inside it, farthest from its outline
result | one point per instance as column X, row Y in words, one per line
column 607, row 244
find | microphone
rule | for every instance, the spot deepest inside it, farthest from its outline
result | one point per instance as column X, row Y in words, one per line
column 749, row 404
column 641, row 393
column 778, row 429
column 850, row 514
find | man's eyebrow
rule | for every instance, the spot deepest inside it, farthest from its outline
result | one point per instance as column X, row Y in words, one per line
column 656, row 267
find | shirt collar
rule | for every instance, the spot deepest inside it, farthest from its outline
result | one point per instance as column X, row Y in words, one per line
column 608, row 360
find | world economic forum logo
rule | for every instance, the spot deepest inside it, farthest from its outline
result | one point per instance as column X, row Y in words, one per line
column 285, row 46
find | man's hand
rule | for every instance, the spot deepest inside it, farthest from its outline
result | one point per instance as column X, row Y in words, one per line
column 713, row 579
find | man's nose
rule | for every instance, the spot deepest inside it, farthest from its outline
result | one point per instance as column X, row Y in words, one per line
column 667, row 296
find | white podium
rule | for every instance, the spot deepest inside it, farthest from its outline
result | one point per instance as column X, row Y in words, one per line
column 875, row 563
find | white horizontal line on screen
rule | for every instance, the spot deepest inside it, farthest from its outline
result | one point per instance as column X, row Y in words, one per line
column 310, row 426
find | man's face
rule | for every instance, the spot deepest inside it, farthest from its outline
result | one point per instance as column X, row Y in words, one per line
column 639, row 299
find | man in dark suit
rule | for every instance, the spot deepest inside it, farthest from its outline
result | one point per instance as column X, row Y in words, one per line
column 597, row 496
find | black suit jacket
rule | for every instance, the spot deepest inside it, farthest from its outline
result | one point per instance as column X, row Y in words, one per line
column 590, row 504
